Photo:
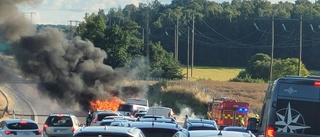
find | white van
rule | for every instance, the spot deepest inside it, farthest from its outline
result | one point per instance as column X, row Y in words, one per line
column 160, row 111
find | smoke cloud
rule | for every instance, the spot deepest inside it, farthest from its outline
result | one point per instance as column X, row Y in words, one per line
column 69, row 71
column 13, row 25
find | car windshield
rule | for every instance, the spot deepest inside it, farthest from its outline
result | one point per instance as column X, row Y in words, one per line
column 59, row 121
column 156, row 132
column 22, row 125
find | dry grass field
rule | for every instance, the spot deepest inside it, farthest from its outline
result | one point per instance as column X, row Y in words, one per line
column 214, row 81
column 253, row 93
column 212, row 73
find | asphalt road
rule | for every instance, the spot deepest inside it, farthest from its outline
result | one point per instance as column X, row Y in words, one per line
column 29, row 101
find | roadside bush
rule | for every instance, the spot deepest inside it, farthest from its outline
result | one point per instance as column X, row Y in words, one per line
column 178, row 96
column 245, row 77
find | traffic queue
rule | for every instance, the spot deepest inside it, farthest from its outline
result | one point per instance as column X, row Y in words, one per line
column 132, row 121
column 108, row 123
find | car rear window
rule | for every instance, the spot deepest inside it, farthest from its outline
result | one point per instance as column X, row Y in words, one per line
column 125, row 107
column 103, row 115
column 158, row 132
column 59, row 121
column 22, row 126
column 299, row 90
column 201, row 128
column 97, row 134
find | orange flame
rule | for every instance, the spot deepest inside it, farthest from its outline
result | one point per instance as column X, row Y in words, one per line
column 112, row 104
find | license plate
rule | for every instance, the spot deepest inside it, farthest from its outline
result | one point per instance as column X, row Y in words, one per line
column 24, row 133
column 59, row 130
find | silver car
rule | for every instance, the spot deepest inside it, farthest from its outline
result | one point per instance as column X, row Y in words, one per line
column 211, row 133
column 62, row 125
column 108, row 131
column 156, row 129
column 19, row 128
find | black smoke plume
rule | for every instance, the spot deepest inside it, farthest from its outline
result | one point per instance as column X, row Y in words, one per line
column 70, row 71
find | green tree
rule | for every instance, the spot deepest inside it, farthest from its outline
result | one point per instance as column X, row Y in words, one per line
column 163, row 64
column 259, row 66
column 93, row 28
column 288, row 66
column 122, row 44
column 282, row 9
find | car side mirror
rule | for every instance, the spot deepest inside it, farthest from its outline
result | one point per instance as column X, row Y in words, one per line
column 252, row 125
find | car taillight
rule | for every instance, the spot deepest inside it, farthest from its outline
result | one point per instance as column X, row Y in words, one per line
column 270, row 131
column 59, row 115
column 316, row 83
column 45, row 127
column 39, row 132
column 73, row 129
column 23, row 122
column 220, row 122
column 7, row 132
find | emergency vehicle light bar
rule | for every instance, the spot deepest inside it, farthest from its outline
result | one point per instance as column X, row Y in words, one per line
column 242, row 109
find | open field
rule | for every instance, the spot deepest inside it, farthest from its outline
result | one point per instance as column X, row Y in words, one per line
column 212, row 73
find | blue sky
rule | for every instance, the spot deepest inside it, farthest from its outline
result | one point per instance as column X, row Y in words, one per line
column 62, row 11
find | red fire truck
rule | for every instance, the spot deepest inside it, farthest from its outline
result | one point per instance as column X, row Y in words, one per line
column 228, row 112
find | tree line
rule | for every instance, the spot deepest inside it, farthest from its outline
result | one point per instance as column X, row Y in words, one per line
column 226, row 34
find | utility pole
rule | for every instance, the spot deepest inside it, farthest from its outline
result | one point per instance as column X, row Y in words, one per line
column 31, row 15
column 143, row 35
column 147, row 40
column 300, row 51
column 188, row 55
column 177, row 49
column 75, row 22
column 192, row 50
column 175, row 41
column 272, row 47
column 148, row 33
column 300, row 46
